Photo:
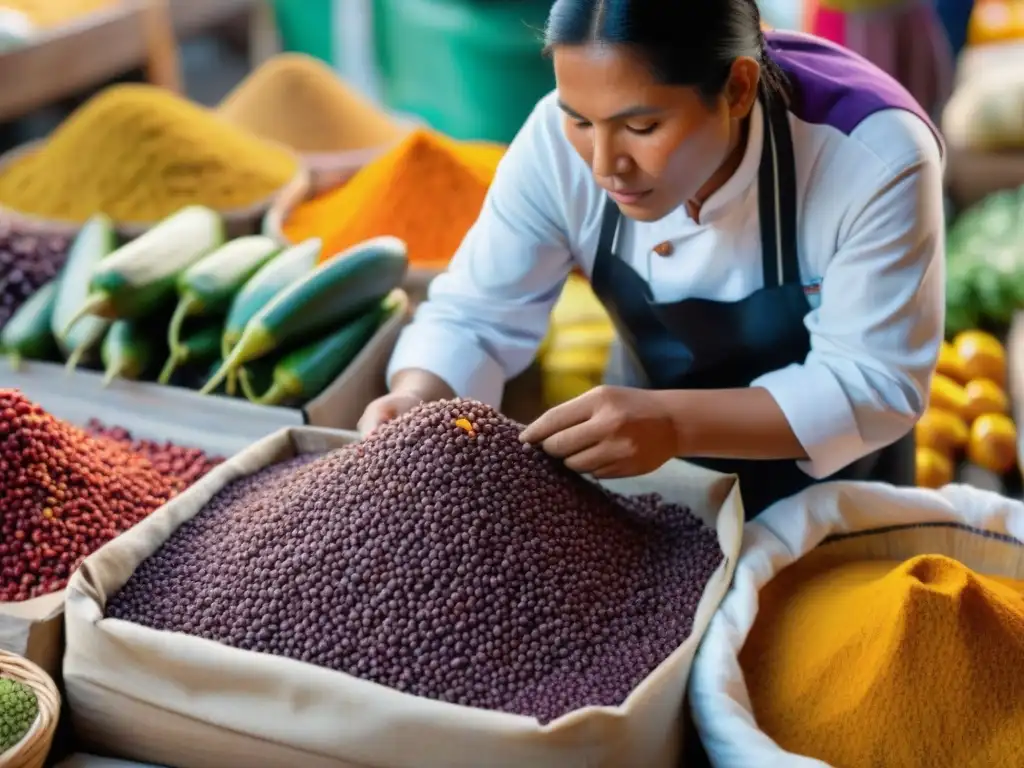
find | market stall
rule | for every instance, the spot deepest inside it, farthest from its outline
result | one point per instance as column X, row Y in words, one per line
column 202, row 565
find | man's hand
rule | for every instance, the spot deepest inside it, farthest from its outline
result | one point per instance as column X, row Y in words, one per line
column 609, row 432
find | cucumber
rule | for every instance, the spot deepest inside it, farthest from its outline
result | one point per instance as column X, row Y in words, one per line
column 301, row 375
column 131, row 348
column 137, row 276
column 208, row 286
column 95, row 241
column 202, row 346
column 336, row 292
column 27, row 334
column 282, row 270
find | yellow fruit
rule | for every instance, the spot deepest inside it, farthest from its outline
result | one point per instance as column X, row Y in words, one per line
column 941, row 431
column 933, row 469
column 584, row 360
column 950, row 363
column 984, row 396
column 948, row 395
column 993, row 443
column 982, row 355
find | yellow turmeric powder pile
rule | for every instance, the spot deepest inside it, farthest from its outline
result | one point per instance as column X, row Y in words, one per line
column 139, row 153
column 879, row 663
column 428, row 191
column 300, row 102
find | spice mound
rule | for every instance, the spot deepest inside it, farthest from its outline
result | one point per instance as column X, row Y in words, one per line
column 861, row 663
column 63, row 494
column 428, row 191
column 300, row 102
column 184, row 466
column 440, row 557
column 28, row 260
column 18, row 710
column 139, row 153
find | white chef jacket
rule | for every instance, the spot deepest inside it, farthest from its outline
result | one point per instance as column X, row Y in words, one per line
column 870, row 233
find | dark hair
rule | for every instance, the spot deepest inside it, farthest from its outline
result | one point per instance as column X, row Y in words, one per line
column 687, row 43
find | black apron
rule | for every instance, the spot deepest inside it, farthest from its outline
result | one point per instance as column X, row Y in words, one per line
column 703, row 344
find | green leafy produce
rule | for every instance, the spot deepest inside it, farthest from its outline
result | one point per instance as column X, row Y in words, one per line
column 18, row 711
column 143, row 273
column 27, row 334
column 985, row 264
column 208, row 286
column 333, row 294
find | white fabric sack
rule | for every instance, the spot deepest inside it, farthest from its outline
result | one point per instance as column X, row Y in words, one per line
column 170, row 698
column 983, row 530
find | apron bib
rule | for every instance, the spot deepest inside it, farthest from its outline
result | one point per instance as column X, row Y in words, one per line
column 703, row 344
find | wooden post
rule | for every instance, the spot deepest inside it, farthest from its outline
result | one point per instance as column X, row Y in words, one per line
column 162, row 62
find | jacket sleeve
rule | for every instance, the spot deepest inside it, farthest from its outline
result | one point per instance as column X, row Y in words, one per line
column 875, row 336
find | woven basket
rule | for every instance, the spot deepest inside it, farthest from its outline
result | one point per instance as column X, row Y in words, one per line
column 238, row 222
column 33, row 749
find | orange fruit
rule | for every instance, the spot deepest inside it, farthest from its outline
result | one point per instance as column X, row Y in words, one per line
column 948, row 395
column 982, row 355
column 984, row 396
column 941, row 431
column 933, row 469
column 992, row 444
column 950, row 364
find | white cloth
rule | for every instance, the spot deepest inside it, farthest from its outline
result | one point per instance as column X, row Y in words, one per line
column 870, row 228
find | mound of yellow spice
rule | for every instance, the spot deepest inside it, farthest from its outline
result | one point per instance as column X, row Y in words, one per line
column 139, row 153
column 427, row 190
column 878, row 663
column 300, row 102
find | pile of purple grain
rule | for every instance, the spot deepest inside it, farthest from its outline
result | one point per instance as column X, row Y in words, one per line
column 442, row 558
column 28, row 260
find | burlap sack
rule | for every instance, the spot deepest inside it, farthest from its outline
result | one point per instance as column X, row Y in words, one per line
column 983, row 530
column 169, row 698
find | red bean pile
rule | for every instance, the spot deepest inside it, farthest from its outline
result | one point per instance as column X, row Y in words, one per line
column 185, row 465
column 442, row 558
column 63, row 494
column 27, row 262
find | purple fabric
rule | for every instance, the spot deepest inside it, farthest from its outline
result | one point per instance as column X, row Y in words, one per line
column 834, row 86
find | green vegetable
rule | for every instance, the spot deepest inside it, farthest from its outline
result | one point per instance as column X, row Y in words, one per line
column 27, row 334
column 304, row 373
column 282, row 270
column 208, row 286
column 985, row 264
column 202, row 346
column 18, row 711
column 94, row 242
column 131, row 348
column 143, row 273
column 336, row 292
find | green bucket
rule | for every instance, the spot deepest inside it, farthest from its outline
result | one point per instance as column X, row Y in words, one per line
column 470, row 68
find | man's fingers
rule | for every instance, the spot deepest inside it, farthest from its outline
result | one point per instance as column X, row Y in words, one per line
column 557, row 419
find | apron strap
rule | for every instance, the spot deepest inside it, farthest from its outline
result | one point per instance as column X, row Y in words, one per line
column 777, row 198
